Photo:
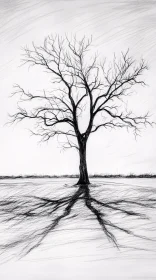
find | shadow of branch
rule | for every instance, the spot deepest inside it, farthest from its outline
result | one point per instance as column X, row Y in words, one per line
column 47, row 214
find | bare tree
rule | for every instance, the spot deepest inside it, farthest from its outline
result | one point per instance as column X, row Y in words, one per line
column 80, row 83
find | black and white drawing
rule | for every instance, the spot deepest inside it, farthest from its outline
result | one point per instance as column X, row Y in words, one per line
column 78, row 134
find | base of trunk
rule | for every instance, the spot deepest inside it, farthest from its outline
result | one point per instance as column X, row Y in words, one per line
column 83, row 182
column 83, row 178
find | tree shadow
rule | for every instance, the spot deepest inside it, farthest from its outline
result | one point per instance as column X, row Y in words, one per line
column 46, row 214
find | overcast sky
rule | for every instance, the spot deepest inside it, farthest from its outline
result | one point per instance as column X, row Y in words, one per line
column 115, row 26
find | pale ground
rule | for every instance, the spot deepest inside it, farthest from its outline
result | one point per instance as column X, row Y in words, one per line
column 82, row 252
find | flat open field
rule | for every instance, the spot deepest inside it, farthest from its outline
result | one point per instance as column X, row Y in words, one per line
column 77, row 248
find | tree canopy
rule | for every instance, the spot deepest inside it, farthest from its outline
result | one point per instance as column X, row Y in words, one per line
column 80, row 83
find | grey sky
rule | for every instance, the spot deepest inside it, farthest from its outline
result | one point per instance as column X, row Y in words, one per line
column 115, row 26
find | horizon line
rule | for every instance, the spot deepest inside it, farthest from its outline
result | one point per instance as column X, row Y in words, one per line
column 130, row 175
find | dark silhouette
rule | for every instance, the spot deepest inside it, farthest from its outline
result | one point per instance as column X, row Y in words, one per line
column 80, row 83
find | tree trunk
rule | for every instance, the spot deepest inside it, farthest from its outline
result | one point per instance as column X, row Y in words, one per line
column 83, row 179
